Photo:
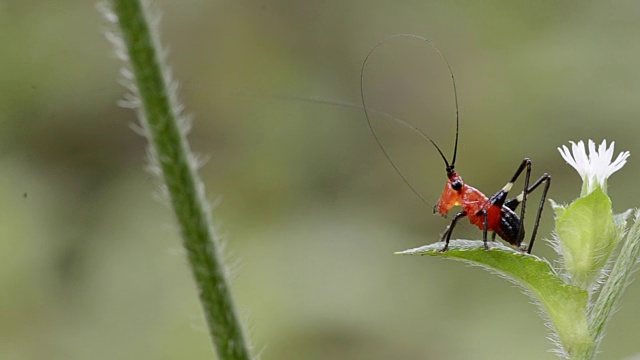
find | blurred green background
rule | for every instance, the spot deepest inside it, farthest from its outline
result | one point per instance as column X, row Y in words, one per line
column 90, row 262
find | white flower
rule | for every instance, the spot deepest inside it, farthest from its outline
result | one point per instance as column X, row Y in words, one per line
column 596, row 168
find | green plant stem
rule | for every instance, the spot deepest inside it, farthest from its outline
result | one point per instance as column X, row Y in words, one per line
column 605, row 305
column 171, row 151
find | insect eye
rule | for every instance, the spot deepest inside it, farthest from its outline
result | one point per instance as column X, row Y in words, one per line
column 456, row 185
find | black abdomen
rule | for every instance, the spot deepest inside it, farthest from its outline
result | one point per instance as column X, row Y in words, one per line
column 509, row 227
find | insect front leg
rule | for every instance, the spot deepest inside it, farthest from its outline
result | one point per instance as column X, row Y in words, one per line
column 447, row 233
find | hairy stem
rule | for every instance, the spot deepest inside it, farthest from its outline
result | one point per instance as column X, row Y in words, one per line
column 605, row 304
column 160, row 113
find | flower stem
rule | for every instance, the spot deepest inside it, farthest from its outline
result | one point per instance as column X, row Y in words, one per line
column 160, row 113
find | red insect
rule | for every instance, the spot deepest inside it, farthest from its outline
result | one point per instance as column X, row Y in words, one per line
column 497, row 213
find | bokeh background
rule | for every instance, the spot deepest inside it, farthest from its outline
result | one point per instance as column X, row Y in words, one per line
column 90, row 262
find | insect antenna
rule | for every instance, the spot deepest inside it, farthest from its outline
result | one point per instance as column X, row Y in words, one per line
column 449, row 167
column 348, row 105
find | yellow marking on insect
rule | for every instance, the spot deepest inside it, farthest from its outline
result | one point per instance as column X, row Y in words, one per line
column 507, row 187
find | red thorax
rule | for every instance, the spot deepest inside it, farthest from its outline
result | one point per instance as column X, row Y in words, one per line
column 471, row 200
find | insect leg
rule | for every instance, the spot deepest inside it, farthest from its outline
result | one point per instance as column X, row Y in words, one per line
column 525, row 163
column 546, row 178
column 500, row 197
column 483, row 212
column 514, row 202
column 447, row 233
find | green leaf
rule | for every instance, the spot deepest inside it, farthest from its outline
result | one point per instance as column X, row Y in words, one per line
column 565, row 305
column 588, row 235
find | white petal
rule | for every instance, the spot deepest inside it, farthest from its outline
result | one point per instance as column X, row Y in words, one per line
column 605, row 156
column 618, row 163
column 596, row 166
column 581, row 158
column 566, row 155
column 569, row 158
column 593, row 154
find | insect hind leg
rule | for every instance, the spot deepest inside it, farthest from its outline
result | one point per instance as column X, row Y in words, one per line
column 513, row 204
column 546, row 178
column 500, row 198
